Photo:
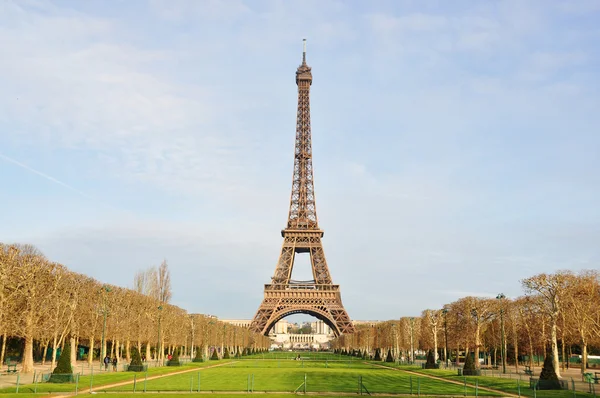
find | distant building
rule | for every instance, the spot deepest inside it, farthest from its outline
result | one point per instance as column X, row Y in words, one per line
column 318, row 339
column 368, row 323
column 243, row 323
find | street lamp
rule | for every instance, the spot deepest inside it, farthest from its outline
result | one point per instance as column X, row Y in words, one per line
column 105, row 288
column 445, row 312
column 501, row 297
column 158, row 346
column 412, row 347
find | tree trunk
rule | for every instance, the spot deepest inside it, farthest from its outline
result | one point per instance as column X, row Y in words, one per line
column 73, row 352
column 530, row 346
column 44, row 352
column 128, row 351
column 435, row 343
column 28, row 349
column 91, row 351
column 54, row 343
column 583, row 354
column 28, row 354
column 457, row 354
column 477, row 343
column 3, row 351
column 516, row 351
column 553, row 334
column 562, row 348
column 562, row 343
column 147, row 351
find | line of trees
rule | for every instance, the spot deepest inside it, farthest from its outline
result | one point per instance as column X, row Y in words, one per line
column 47, row 306
column 558, row 314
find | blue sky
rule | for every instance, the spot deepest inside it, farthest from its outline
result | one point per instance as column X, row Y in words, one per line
column 456, row 143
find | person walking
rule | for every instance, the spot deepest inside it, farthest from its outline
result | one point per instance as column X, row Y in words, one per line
column 106, row 362
column 114, row 364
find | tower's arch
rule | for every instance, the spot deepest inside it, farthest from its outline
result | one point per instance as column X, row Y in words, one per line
column 321, row 314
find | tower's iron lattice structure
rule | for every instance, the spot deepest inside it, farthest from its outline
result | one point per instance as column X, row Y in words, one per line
column 284, row 296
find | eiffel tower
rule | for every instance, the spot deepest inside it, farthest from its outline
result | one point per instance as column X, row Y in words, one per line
column 318, row 297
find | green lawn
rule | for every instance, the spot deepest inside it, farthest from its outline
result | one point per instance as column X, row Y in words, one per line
column 287, row 376
column 512, row 386
column 103, row 378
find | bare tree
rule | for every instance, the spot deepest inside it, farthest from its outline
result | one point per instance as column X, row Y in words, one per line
column 164, row 283
column 30, row 283
column 552, row 287
column 580, row 304
column 145, row 282
column 431, row 320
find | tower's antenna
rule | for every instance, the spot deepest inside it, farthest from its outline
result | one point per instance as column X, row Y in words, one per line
column 304, row 51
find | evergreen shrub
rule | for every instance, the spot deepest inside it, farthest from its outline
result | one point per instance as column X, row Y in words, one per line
column 469, row 368
column 198, row 357
column 389, row 357
column 377, row 355
column 430, row 364
column 548, row 378
column 136, row 364
column 63, row 373
column 174, row 361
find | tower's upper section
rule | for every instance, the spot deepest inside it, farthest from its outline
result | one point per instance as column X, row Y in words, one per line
column 303, row 213
column 303, row 71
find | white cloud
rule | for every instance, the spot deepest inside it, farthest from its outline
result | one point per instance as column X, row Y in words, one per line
column 77, row 86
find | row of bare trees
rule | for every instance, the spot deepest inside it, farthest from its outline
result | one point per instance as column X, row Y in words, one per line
column 48, row 306
column 557, row 313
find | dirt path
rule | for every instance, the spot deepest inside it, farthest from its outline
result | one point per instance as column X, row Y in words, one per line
column 448, row 381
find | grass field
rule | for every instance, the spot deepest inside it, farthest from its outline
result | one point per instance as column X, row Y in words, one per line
column 289, row 375
column 99, row 379
column 324, row 373
column 508, row 385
